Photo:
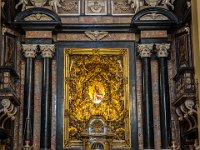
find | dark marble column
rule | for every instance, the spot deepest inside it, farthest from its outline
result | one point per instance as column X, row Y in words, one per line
column 47, row 51
column 147, row 108
column 30, row 53
column 162, row 53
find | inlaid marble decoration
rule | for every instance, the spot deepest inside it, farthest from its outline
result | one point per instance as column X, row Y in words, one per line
column 69, row 7
column 121, row 7
column 95, row 7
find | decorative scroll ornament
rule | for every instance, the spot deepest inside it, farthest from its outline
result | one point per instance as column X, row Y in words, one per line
column 154, row 16
column 38, row 17
column 47, row 50
column 29, row 50
column 23, row 3
column 187, row 112
column 8, row 111
column 145, row 50
column 162, row 49
column 96, row 35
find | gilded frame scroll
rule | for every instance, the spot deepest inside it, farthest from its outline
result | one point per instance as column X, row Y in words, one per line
column 105, row 70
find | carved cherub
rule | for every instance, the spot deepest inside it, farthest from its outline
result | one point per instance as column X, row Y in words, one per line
column 23, row 3
column 56, row 4
column 168, row 3
column 135, row 4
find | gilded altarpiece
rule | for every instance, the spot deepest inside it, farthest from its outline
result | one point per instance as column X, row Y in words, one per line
column 96, row 85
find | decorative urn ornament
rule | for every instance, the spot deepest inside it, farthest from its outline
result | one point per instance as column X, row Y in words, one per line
column 152, row 3
column 38, row 3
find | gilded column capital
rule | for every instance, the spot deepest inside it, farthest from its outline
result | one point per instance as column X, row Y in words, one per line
column 29, row 50
column 145, row 50
column 162, row 49
column 47, row 50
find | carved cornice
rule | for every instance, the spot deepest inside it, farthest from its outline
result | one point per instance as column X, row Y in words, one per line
column 47, row 50
column 162, row 49
column 145, row 50
column 29, row 50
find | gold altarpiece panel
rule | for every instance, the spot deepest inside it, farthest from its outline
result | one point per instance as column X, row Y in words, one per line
column 96, row 84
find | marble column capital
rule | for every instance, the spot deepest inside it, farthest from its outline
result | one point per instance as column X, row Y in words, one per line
column 47, row 50
column 145, row 50
column 162, row 49
column 29, row 50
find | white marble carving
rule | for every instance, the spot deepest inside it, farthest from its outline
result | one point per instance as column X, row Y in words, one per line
column 96, row 35
column 95, row 7
column 24, row 3
column 152, row 3
column 69, row 7
column 55, row 4
column 38, row 3
column 168, row 3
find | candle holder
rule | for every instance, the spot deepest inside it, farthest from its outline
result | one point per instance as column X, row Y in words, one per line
column 174, row 147
column 27, row 146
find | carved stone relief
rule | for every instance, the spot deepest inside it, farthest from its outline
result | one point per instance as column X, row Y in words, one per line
column 120, row 7
column 96, row 35
column 66, row 7
column 154, row 16
column 96, row 7
column 38, row 17
column 38, row 3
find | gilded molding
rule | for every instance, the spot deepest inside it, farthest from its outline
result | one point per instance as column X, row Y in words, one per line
column 29, row 50
column 47, row 50
column 162, row 50
column 145, row 50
